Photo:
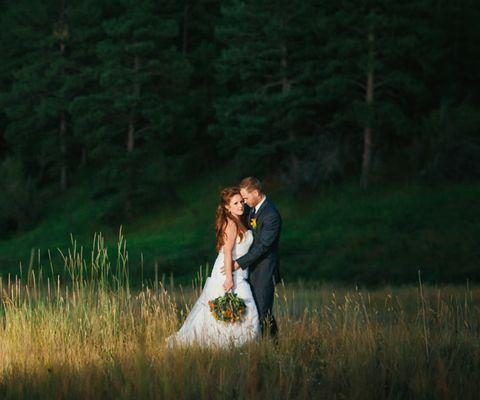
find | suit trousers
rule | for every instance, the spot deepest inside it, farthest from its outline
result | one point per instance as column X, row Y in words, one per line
column 264, row 296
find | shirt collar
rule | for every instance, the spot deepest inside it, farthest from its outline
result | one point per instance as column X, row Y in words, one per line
column 257, row 207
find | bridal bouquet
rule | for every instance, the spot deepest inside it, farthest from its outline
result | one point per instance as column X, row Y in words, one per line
column 228, row 308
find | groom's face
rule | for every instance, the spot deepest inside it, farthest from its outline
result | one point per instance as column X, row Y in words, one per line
column 251, row 198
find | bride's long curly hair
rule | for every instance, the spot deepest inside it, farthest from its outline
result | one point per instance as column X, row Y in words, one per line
column 223, row 215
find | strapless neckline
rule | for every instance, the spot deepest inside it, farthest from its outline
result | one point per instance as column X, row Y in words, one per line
column 248, row 233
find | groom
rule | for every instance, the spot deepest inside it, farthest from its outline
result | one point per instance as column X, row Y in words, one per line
column 262, row 258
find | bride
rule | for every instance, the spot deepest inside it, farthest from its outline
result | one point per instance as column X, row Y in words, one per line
column 233, row 241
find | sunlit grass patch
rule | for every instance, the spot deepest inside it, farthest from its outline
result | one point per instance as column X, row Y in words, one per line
column 88, row 334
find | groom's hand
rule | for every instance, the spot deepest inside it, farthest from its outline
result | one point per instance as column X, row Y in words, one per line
column 235, row 267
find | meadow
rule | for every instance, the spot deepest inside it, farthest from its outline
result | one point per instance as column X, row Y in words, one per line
column 337, row 234
column 89, row 334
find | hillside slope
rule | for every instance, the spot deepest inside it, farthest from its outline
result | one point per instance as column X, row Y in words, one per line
column 342, row 234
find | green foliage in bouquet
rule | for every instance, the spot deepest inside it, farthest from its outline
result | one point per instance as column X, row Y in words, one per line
column 228, row 308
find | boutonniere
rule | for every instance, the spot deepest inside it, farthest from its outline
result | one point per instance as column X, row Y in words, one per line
column 253, row 222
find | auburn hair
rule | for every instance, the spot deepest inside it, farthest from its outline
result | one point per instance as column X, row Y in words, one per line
column 222, row 216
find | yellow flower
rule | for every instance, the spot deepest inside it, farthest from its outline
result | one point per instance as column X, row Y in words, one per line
column 253, row 222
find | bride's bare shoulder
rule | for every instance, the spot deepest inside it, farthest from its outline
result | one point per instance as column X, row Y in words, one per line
column 231, row 228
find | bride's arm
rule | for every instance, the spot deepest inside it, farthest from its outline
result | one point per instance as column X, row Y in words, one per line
column 230, row 236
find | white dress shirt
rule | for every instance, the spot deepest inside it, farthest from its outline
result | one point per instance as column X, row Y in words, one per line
column 257, row 207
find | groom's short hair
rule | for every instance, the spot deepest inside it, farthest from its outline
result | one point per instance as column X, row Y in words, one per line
column 251, row 183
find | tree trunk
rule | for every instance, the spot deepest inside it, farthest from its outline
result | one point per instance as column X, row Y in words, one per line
column 185, row 29
column 131, row 119
column 83, row 161
column 286, row 84
column 63, row 151
column 367, row 132
column 286, row 87
column 63, row 139
column 131, row 140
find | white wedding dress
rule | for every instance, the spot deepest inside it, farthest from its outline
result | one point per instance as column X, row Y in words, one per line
column 201, row 327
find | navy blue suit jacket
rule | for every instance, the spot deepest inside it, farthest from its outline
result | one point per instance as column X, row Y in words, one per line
column 262, row 258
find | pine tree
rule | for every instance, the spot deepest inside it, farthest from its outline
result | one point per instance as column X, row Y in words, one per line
column 371, row 70
column 36, row 101
column 132, row 115
column 198, row 19
column 85, row 23
column 268, row 69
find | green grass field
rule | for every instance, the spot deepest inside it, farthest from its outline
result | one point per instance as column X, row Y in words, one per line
column 92, row 336
column 340, row 234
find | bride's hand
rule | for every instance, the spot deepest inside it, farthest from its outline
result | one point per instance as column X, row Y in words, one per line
column 228, row 284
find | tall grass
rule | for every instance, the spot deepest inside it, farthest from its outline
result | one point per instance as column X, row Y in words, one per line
column 88, row 334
